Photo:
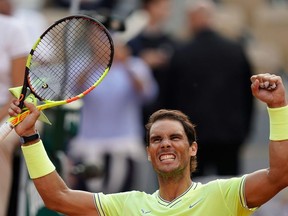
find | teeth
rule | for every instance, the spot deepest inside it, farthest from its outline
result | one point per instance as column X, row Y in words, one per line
column 167, row 157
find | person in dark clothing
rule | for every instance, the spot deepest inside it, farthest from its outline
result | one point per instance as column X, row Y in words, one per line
column 199, row 84
column 155, row 46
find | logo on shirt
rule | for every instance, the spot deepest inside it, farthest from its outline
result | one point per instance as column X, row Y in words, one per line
column 195, row 203
column 145, row 212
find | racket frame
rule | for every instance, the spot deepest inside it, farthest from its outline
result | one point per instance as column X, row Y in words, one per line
column 8, row 126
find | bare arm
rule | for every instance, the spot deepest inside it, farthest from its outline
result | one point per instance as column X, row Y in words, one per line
column 53, row 190
column 264, row 184
column 58, row 197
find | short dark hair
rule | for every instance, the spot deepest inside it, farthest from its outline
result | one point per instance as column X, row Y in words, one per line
column 179, row 116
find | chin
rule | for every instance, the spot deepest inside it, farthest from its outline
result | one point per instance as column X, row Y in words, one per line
column 170, row 172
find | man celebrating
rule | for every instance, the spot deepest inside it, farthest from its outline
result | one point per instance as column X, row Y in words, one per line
column 172, row 149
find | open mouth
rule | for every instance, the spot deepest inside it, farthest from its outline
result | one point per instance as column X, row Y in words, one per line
column 167, row 157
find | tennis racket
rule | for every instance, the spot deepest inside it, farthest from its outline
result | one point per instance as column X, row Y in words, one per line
column 66, row 63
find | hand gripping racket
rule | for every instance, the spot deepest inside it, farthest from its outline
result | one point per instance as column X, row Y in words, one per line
column 67, row 62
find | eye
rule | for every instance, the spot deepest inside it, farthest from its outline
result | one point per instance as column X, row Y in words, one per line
column 175, row 138
column 156, row 140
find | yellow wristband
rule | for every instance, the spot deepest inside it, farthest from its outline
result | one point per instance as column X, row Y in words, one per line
column 37, row 160
column 278, row 123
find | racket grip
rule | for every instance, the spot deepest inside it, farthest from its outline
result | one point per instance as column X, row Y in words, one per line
column 5, row 129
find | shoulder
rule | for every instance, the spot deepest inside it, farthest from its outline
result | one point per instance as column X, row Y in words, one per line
column 14, row 35
column 225, row 182
column 12, row 27
column 136, row 39
column 232, row 43
column 224, row 186
column 10, row 21
column 115, row 203
column 124, row 196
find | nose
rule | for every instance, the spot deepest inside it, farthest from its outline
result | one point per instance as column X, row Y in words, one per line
column 165, row 143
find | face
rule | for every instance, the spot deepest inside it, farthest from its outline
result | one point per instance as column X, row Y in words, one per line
column 160, row 9
column 169, row 150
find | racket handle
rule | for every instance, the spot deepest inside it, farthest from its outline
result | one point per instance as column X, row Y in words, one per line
column 5, row 129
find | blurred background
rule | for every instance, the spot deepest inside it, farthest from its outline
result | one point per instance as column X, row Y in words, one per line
column 260, row 25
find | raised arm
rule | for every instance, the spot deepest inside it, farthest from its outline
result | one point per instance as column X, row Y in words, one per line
column 264, row 184
column 53, row 190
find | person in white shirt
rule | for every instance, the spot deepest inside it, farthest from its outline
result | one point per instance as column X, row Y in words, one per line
column 14, row 48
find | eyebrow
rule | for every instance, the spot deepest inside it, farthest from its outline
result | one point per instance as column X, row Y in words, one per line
column 154, row 136
column 170, row 135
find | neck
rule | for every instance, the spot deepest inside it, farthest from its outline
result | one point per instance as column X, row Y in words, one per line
column 170, row 189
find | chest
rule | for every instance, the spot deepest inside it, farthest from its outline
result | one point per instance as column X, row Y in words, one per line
column 196, row 205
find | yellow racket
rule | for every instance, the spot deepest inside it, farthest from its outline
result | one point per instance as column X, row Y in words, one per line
column 67, row 62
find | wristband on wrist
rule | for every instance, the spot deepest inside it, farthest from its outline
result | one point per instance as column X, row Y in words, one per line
column 26, row 139
column 37, row 160
column 278, row 123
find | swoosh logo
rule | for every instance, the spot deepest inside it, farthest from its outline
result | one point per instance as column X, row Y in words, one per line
column 195, row 203
column 145, row 211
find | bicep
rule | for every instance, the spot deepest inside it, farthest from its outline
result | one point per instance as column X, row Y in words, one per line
column 58, row 197
column 259, row 188
column 80, row 203
column 264, row 184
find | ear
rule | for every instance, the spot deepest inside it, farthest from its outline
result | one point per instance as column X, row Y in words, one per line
column 193, row 149
column 148, row 154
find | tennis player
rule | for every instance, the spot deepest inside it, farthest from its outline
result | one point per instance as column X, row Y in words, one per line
column 172, row 150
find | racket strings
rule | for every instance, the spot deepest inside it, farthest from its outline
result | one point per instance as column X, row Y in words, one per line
column 69, row 59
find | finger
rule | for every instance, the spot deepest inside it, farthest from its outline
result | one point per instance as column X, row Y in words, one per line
column 12, row 113
column 255, row 86
column 272, row 87
column 259, row 77
column 264, row 80
column 16, row 102
column 31, row 107
column 14, row 107
column 268, row 81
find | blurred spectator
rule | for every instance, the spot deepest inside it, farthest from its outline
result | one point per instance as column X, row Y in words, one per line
column 197, row 84
column 114, row 9
column 14, row 48
column 32, row 19
column 155, row 46
column 84, row 4
column 111, row 129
